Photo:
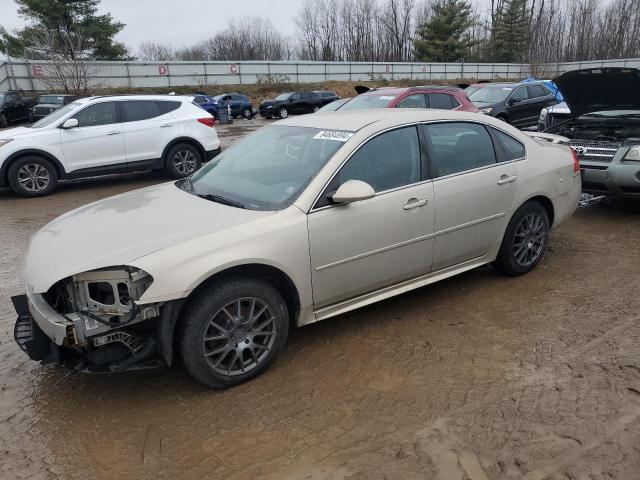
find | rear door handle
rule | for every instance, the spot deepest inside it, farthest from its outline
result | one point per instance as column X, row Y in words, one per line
column 164, row 125
column 415, row 203
column 504, row 179
column 113, row 133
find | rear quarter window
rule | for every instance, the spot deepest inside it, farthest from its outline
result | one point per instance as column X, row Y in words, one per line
column 441, row 101
column 166, row 107
column 513, row 149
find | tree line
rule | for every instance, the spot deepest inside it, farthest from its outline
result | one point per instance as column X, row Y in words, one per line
column 523, row 31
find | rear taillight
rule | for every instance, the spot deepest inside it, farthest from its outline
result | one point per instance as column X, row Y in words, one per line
column 208, row 121
column 576, row 162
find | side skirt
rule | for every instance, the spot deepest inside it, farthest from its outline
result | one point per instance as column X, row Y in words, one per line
column 397, row 289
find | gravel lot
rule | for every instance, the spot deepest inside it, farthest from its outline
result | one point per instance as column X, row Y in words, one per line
column 478, row 377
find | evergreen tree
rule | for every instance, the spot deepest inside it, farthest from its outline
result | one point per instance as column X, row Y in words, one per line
column 444, row 35
column 511, row 32
column 64, row 28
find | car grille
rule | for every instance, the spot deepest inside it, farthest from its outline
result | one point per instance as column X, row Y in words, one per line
column 595, row 151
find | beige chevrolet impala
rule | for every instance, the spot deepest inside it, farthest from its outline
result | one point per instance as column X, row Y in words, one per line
column 303, row 220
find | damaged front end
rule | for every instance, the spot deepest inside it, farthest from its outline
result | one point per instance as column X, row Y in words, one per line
column 91, row 321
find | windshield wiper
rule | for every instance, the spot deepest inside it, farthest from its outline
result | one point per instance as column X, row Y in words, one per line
column 221, row 199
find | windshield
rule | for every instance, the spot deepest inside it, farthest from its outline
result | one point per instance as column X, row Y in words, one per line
column 335, row 105
column 54, row 116
column 283, row 96
column 471, row 90
column 368, row 101
column 268, row 169
column 51, row 99
column 492, row 94
column 218, row 98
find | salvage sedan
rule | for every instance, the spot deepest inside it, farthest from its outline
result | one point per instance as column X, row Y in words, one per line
column 300, row 221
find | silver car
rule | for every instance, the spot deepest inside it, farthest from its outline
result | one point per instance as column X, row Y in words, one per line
column 301, row 221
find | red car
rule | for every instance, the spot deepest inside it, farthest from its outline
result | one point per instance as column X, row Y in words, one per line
column 441, row 97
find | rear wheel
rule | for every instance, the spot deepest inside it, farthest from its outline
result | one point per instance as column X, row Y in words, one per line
column 182, row 160
column 316, row 108
column 503, row 118
column 32, row 176
column 525, row 240
column 233, row 332
column 246, row 113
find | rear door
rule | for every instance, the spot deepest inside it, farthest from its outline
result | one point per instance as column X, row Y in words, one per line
column 148, row 127
column 97, row 141
column 473, row 191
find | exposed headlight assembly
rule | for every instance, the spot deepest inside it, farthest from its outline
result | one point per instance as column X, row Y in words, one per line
column 633, row 155
column 543, row 114
column 486, row 110
column 4, row 141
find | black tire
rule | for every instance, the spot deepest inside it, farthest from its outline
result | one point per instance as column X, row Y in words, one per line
column 511, row 259
column 3, row 121
column 316, row 108
column 283, row 113
column 503, row 118
column 32, row 176
column 246, row 113
column 182, row 160
column 201, row 320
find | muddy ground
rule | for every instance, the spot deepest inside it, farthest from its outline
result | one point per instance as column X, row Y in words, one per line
column 478, row 377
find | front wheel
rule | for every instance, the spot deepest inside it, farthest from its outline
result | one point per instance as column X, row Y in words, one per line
column 283, row 113
column 182, row 160
column 32, row 176
column 233, row 332
column 316, row 108
column 246, row 113
column 3, row 121
column 525, row 240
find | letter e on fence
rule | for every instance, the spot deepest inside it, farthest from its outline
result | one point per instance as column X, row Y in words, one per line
column 388, row 69
column 37, row 71
column 233, row 69
column 162, row 70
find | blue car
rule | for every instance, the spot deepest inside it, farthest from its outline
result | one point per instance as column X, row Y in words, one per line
column 240, row 105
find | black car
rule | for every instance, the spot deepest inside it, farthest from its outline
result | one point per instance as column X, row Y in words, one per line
column 48, row 104
column 14, row 107
column 295, row 103
column 516, row 103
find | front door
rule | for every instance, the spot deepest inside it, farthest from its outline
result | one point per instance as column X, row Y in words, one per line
column 97, row 141
column 519, row 107
column 473, row 191
column 374, row 243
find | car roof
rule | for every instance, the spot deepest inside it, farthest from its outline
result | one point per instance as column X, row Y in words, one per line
column 354, row 120
column 137, row 97
column 417, row 88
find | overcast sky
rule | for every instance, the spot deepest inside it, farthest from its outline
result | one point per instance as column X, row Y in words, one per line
column 179, row 23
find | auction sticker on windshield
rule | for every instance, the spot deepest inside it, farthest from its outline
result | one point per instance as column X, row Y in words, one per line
column 333, row 135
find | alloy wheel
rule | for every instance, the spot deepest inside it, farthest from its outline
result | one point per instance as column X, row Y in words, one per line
column 185, row 162
column 239, row 336
column 33, row 177
column 529, row 240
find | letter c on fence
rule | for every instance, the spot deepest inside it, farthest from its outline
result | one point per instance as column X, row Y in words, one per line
column 162, row 69
column 233, row 69
column 38, row 71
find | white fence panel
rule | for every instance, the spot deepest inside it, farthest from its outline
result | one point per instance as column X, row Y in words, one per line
column 32, row 75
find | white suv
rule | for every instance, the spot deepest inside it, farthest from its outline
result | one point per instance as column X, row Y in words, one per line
column 105, row 135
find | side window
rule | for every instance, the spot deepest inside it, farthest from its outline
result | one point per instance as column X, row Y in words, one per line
column 295, row 96
column 513, row 149
column 458, row 147
column 537, row 91
column 10, row 98
column 416, row 100
column 441, row 101
column 136, row 110
column 455, row 102
column 387, row 161
column 200, row 99
column 166, row 107
column 520, row 94
column 104, row 113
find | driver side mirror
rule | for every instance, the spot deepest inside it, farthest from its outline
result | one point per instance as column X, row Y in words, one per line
column 70, row 123
column 353, row 191
column 514, row 100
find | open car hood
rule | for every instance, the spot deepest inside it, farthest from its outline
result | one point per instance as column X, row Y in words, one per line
column 599, row 89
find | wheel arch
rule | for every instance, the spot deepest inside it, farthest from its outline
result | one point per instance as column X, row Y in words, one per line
column 188, row 140
column 4, row 169
column 172, row 313
column 546, row 203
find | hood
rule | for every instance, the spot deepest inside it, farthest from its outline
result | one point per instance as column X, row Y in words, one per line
column 15, row 132
column 117, row 230
column 48, row 105
column 266, row 103
column 600, row 89
column 561, row 108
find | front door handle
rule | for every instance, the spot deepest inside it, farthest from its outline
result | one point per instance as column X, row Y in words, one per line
column 113, row 133
column 164, row 125
column 504, row 179
column 415, row 203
